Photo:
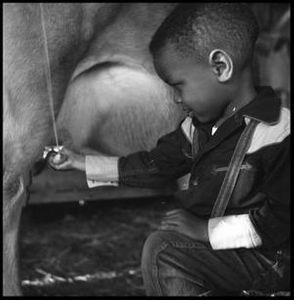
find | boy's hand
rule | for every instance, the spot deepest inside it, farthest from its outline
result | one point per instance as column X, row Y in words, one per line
column 70, row 160
column 186, row 223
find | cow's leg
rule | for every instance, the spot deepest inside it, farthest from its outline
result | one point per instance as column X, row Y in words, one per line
column 14, row 195
column 17, row 158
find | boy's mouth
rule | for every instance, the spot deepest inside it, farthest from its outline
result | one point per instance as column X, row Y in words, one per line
column 186, row 109
column 190, row 113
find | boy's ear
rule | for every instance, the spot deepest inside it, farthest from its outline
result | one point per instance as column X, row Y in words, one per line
column 222, row 64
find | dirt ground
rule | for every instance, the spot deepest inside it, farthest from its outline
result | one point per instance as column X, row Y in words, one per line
column 87, row 250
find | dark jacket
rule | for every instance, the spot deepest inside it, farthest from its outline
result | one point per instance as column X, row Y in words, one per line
column 263, row 185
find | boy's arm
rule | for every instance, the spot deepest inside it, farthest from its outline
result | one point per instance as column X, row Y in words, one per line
column 101, row 170
column 233, row 231
column 269, row 224
column 166, row 162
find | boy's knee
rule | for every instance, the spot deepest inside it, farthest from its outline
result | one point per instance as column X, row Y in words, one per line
column 156, row 241
column 154, row 244
column 160, row 240
column 165, row 267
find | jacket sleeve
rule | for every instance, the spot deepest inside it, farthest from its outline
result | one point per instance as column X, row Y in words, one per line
column 152, row 169
column 272, row 219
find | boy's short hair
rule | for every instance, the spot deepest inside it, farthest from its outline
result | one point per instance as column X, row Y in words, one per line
column 195, row 29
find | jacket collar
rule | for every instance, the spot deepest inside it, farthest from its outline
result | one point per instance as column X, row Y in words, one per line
column 265, row 107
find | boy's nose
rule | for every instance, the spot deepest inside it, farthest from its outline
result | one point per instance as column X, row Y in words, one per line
column 178, row 99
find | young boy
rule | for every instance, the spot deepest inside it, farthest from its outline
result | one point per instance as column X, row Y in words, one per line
column 205, row 52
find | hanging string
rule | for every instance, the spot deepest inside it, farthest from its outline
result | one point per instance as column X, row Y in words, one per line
column 48, row 74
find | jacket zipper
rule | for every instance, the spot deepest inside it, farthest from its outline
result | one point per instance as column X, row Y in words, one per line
column 245, row 166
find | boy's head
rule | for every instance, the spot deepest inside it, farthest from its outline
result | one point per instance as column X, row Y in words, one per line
column 201, row 49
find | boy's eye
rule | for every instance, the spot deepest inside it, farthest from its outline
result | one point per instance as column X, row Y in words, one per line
column 176, row 85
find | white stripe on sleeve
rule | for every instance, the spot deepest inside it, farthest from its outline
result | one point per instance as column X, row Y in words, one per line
column 235, row 231
column 101, row 170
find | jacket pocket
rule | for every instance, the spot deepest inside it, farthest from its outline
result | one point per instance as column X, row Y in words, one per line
column 215, row 170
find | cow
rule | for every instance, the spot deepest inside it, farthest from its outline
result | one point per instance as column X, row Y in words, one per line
column 107, row 96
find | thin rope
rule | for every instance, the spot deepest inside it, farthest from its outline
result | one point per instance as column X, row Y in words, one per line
column 48, row 74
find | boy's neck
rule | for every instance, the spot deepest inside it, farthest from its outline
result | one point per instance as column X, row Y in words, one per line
column 245, row 92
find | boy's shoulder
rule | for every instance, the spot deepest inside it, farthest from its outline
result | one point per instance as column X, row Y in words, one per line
column 269, row 134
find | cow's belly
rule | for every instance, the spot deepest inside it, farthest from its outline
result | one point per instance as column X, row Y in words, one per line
column 117, row 109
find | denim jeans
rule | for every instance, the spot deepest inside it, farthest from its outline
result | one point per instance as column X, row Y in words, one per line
column 175, row 265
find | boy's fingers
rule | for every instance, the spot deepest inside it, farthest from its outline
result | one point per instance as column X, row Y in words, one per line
column 56, row 167
column 167, row 227
column 55, row 159
column 65, row 151
column 176, row 216
column 175, row 224
column 61, row 167
column 53, row 166
column 171, row 218
column 55, row 162
column 175, row 221
column 171, row 212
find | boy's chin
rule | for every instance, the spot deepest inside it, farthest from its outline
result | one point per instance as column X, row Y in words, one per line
column 190, row 113
column 201, row 119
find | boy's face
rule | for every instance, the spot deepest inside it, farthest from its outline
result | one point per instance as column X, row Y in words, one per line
column 195, row 82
